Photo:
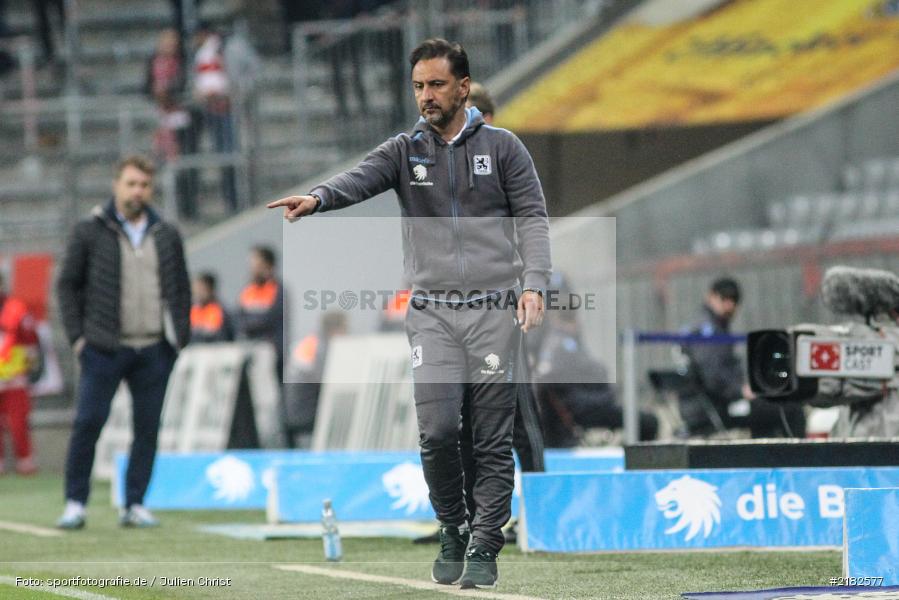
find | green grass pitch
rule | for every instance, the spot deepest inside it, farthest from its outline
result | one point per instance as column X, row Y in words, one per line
column 178, row 550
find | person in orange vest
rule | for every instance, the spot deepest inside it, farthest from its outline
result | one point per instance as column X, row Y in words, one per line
column 18, row 351
column 260, row 310
column 209, row 321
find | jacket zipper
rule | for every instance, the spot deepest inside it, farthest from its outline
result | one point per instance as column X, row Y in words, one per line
column 454, row 203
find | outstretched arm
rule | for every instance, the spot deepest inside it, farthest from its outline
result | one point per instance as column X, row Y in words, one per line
column 377, row 173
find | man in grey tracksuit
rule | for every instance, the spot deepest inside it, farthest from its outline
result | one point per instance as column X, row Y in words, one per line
column 476, row 249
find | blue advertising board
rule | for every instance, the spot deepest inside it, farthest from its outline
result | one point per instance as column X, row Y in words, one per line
column 233, row 480
column 242, row 479
column 871, row 536
column 387, row 490
column 654, row 510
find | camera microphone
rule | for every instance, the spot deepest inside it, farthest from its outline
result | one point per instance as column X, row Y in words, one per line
column 864, row 292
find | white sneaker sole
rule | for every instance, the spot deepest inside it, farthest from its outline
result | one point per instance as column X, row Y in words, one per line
column 480, row 587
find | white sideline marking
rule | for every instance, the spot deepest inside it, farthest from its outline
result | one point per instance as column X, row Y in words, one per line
column 29, row 529
column 412, row 583
column 64, row 592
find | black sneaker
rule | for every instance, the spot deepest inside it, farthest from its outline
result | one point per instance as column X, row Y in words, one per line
column 449, row 563
column 480, row 569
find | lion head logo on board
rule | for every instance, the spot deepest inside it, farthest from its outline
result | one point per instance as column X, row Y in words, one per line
column 406, row 483
column 232, row 479
column 420, row 172
column 693, row 502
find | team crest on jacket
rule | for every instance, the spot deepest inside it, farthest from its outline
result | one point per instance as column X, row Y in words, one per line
column 482, row 164
column 420, row 172
column 492, row 362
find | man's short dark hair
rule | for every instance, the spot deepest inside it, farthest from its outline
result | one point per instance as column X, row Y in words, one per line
column 440, row 48
column 266, row 254
column 727, row 288
column 139, row 162
column 209, row 280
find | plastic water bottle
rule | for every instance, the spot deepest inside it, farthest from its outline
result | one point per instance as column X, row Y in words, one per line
column 330, row 534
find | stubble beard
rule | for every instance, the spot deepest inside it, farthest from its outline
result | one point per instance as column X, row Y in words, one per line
column 442, row 118
column 132, row 209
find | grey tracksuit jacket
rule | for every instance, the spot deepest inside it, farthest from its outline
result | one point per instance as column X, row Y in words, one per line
column 445, row 191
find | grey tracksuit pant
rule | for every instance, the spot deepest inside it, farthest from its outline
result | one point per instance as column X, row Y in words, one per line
column 457, row 349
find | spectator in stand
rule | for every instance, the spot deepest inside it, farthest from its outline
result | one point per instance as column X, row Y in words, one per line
column 243, row 66
column 718, row 397
column 42, row 12
column 347, row 49
column 307, row 363
column 8, row 62
column 18, row 355
column 209, row 321
column 212, row 89
column 176, row 133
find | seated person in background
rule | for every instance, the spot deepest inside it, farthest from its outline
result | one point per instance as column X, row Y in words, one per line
column 717, row 396
column 209, row 321
column 307, row 368
column 570, row 388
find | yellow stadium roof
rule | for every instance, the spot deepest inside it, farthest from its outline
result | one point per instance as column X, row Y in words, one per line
column 744, row 61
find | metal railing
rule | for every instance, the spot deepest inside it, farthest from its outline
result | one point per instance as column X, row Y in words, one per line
column 88, row 129
column 357, row 70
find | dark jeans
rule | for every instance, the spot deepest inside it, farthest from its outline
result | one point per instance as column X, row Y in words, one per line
column 146, row 372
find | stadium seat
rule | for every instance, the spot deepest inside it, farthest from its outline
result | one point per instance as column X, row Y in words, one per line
column 789, row 237
column 893, row 175
column 768, row 239
column 852, row 178
column 746, row 241
column 701, row 246
column 866, row 229
column 890, row 204
column 869, row 206
column 847, row 208
column 823, row 207
column 799, row 210
column 777, row 214
column 875, row 173
column 722, row 241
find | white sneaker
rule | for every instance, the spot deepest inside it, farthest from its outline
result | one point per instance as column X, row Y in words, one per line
column 73, row 517
column 138, row 516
